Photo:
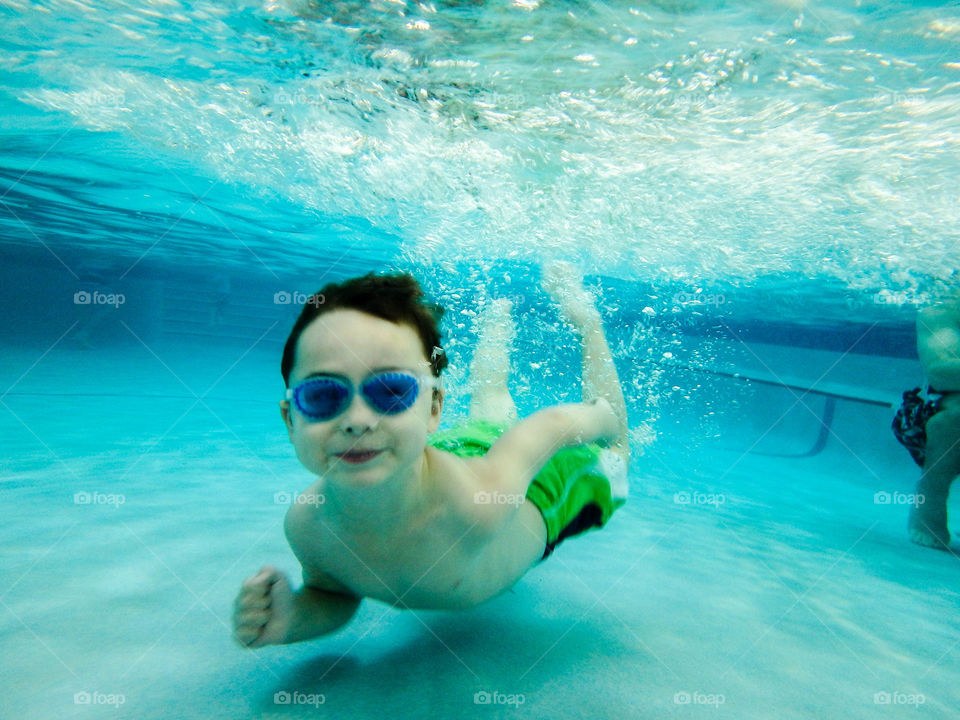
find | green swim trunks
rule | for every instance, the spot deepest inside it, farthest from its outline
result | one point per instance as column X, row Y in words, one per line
column 578, row 489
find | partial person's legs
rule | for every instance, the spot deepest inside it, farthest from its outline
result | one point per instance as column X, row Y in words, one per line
column 928, row 521
column 490, row 400
column 490, row 369
column 564, row 283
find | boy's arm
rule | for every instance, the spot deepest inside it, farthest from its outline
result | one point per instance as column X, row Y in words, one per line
column 322, row 605
column 318, row 612
column 267, row 612
column 523, row 450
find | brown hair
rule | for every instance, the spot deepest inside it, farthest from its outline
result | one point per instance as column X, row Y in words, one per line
column 397, row 298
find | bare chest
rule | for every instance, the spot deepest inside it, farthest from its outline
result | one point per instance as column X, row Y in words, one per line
column 427, row 567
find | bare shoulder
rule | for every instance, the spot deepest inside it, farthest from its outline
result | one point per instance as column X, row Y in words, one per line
column 938, row 333
column 944, row 315
column 303, row 526
column 307, row 509
column 459, row 483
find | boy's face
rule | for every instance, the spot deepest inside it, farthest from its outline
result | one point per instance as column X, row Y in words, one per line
column 352, row 345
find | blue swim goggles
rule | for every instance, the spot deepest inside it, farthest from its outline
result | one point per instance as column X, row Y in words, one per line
column 325, row 397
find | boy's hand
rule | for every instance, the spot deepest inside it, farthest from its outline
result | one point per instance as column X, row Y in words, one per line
column 263, row 609
column 609, row 426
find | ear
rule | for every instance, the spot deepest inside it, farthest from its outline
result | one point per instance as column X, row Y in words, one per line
column 436, row 409
column 287, row 418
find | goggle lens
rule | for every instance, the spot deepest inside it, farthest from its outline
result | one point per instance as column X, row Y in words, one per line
column 322, row 398
column 391, row 393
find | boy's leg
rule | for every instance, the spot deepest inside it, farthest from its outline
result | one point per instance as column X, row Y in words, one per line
column 580, row 488
column 489, row 395
column 928, row 521
column 565, row 285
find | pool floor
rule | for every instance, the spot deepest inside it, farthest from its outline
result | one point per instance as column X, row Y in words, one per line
column 764, row 588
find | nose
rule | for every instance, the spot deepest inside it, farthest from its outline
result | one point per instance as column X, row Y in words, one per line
column 358, row 417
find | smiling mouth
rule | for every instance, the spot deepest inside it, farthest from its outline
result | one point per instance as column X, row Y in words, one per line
column 358, row 457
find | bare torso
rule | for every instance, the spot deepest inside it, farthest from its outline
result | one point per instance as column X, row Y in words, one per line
column 437, row 559
column 938, row 345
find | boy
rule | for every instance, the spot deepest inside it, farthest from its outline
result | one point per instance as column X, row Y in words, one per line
column 427, row 522
column 931, row 430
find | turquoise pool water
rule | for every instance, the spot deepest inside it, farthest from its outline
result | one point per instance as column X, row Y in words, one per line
column 760, row 194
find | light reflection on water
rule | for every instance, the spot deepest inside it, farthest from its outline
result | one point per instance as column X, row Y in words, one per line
column 808, row 151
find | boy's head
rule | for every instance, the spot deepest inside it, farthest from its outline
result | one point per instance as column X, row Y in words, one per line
column 353, row 365
column 397, row 298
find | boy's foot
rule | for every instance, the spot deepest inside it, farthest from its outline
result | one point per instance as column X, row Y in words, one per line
column 496, row 324
column 496, row 330
column 564, row 283
column 928, row 525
